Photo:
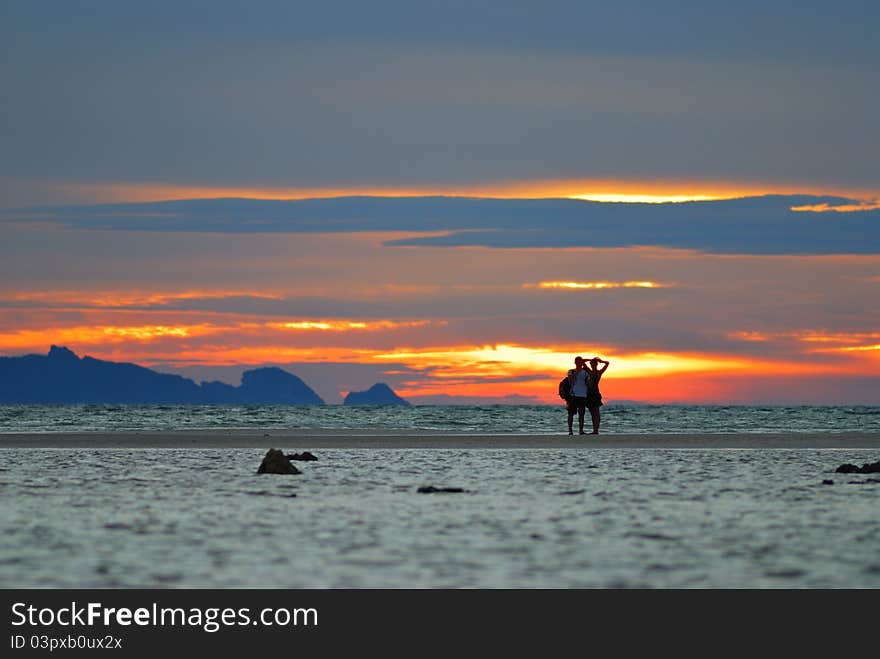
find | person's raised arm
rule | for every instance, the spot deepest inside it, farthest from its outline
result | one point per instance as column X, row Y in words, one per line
column 604, row 363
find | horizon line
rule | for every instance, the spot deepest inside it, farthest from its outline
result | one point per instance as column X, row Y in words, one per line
column 599, row 190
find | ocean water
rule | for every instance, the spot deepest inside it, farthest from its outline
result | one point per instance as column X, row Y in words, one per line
column 531, row 419
column 526, row 518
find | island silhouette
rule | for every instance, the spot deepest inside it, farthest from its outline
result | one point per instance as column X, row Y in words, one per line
column 379, row 394
column 63, row 377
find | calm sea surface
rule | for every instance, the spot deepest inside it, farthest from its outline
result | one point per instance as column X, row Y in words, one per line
column 474, row 419
column 527, row 518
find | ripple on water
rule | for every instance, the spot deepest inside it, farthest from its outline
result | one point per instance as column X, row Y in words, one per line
column 531, row 518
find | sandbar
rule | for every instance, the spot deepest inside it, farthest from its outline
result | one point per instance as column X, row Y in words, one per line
column 385, row 439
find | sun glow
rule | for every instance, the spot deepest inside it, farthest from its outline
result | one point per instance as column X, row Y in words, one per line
column 508, row 360
column 496, row 371
column 591, row 189
column 635, row 198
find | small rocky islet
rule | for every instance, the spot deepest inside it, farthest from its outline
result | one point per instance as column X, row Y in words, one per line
column 848, row 468
column 277, row 461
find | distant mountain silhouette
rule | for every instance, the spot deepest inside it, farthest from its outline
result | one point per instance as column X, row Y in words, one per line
column 379, row 394
column 62, row 377
column 275, row 386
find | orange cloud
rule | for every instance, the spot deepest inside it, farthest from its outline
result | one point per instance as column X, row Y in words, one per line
column 869, row 348
column 853, row 341
column 145, row 333
column 749, row 336
column 837, row 337
column 112, row 299
column 841, row 208
column 96, row 335
column 347, row 325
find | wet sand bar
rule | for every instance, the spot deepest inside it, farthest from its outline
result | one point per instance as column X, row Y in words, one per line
column 316, row 439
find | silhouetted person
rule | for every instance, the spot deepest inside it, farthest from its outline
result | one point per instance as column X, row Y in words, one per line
column 594, row 397
column 577, row 401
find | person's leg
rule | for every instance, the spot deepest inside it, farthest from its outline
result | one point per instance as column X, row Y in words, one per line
column 570, row 419
column 595, row 416
column 581, row 420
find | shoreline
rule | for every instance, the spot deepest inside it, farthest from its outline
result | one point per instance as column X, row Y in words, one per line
column 365, row 439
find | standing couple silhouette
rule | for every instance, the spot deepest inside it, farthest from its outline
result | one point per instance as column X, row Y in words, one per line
column 584, row 392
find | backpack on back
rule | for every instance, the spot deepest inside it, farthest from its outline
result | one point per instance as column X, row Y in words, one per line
column 565, row 388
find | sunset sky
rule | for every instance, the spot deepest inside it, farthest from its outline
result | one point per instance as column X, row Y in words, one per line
column 455, row 198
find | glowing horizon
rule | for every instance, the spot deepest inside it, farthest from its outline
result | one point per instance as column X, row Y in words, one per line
column 608, row 190
column 528, row 371
column 450, row 320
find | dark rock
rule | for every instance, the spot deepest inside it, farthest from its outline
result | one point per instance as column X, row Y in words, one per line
column 304, row 456
column 865, row 482
column 275, row 462
column 827, row 482
column 868, row 468
column 430, row 489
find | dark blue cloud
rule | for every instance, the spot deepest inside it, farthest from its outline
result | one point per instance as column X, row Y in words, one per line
column 751, row 225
